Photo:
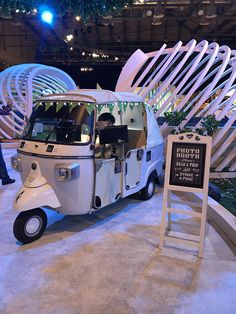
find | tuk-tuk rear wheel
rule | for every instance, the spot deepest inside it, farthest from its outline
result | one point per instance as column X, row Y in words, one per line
column 30, row 225
column 148, row 191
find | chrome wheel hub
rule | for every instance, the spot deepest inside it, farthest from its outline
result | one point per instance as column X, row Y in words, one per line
column 150, row 188
column 33, row 225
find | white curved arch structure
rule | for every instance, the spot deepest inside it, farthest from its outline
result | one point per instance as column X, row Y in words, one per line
column 198, row 78
column 21, row 85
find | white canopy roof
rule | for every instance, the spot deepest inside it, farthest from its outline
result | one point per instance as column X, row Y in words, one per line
column 95, row 96
column 154, row 136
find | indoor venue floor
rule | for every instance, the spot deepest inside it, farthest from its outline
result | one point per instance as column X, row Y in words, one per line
column 109, row 262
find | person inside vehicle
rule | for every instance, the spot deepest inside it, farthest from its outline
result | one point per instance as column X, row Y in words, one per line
column 104, row 120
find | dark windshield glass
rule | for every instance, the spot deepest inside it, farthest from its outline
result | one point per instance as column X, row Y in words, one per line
column 69, row 124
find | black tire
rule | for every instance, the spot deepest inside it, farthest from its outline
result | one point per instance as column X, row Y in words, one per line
column 26, row 233
column 148, row 191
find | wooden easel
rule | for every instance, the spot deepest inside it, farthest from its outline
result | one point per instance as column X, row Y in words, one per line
column 187, row 170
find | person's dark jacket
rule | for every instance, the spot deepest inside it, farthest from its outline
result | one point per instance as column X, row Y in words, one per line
column 5, row 110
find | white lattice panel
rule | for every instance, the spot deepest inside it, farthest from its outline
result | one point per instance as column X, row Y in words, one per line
column 21, row 85
column 198, row 78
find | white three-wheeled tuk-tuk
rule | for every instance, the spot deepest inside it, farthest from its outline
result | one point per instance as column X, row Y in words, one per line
column 61, row 161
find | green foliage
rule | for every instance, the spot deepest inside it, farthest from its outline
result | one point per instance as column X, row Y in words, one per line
column 175, row 118
column 199, row 131
column 208, row 127
column 84, row 8
column 228, row 192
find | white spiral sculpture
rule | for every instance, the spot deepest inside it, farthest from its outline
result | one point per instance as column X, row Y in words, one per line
column 21, row 85
column 198, row 78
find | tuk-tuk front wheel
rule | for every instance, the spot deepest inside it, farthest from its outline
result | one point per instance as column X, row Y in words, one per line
column 149, row 189
column 30, row 225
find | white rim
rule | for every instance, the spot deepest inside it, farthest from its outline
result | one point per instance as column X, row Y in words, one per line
column 150, row 188
column 33, row 226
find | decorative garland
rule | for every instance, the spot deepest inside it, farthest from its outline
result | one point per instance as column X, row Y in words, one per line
column 89, row 106
column 83, row 8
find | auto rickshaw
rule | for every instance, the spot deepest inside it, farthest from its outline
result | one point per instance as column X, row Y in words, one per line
column 58, row 161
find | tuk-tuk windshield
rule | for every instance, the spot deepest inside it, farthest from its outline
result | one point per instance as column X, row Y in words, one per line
column 60, row 122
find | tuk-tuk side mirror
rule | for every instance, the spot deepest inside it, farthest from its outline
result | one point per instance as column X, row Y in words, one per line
column 115, row 134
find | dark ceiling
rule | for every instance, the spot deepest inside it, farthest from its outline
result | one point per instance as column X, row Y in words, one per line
column 120, row 35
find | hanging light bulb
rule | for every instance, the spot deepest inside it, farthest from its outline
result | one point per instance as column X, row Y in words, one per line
column 159, row 11
column 211, row 11
column 204, row 21
column 69, row 37
column 149, row 13
column 156, row 21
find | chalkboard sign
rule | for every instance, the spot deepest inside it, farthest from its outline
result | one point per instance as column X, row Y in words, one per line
column 187, row 164
column 187, row 170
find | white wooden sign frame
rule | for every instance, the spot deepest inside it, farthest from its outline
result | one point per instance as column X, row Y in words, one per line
column 200, row 187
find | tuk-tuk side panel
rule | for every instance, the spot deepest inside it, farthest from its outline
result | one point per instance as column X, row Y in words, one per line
column 152, row 160
column 134, row 162
column 108, row 182
column 75, row 196
column 156, row 157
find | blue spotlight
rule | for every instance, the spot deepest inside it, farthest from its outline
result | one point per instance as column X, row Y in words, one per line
column 47, row 16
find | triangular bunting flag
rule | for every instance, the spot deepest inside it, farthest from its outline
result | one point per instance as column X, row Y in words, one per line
column 38, row 105
column 120, row 106
column 72, row 106
column 111, row 107
column 125, row 106
column 131, row 105
column 59, row 106
column 89, row 108
column 47, row 106
column 139, row 105
column 99, row 108
column 147, row 106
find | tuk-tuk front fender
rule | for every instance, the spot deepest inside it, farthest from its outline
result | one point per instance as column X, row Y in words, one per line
column 29, row 198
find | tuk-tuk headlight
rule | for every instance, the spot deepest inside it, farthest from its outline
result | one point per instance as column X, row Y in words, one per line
column 63, row 173
column 16, row 163
column 66, row 172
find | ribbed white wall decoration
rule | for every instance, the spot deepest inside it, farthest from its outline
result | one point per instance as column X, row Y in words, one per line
column 21, row 85
column 195, row 78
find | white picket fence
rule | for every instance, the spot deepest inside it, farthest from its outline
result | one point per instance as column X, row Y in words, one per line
column 198, row 78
